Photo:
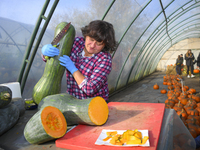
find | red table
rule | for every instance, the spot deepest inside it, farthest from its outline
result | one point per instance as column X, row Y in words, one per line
column 122, row 116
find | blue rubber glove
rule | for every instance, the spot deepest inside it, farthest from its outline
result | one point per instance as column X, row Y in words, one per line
column 49, row 50
column 67, row 62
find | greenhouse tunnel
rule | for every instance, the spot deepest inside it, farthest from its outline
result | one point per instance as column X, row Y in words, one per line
column 150, row 35
column 145, row 31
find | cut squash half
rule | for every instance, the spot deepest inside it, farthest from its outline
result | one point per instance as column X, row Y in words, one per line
column 91, row 111
column 53, row 121
column 47, row 124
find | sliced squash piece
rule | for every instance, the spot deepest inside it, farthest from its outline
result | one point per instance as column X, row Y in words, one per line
column 136, row 141
column 91, row 111
column 144, row 140
column 47, row 124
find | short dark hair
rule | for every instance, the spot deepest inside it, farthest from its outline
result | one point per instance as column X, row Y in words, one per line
column 101, row 31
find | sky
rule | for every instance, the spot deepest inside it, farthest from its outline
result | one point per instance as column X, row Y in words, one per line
column 27, row 11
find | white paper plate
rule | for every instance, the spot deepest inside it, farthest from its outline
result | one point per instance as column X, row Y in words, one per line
column 103, row 135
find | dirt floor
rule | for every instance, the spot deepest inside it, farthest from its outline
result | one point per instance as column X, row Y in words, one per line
column 141, row 91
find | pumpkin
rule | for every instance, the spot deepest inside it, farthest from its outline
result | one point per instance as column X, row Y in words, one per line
column 50, row 82
column 194, row 126
column 192, row 91
column 182, row 113
column 91, row 111
column 47, row 124
column 164, row 83
column 196, row 98
column 9, row 116
column 178, row 106
column 193, row 132
column 196, row 70
column 163, row 91
column 5, row 96
column 156, row 86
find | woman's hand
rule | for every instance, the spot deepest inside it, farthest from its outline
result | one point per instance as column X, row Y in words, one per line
column 67, row 62
column 50, row 51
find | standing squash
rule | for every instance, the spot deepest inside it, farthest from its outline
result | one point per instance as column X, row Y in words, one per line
column 9, row 116
column 45, row 125
column 91, row 111
column 50, row 82
column 5, row 96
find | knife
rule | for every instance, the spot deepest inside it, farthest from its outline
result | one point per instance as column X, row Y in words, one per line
column 60, row 35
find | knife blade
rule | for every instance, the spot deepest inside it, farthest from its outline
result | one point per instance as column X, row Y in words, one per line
column 60, row 35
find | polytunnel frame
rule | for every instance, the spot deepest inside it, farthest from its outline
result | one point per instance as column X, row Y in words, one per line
column 184, row 19
column 140, row 52
column 169, row 46
column 47, row 19
column 164, row 26
column 10, row 38
column 166, row 43
column 158, row 31
column 136, row 44
column 169, row 30
column 180, row 22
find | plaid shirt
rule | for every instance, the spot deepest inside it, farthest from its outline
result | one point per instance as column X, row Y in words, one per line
column 95, row 69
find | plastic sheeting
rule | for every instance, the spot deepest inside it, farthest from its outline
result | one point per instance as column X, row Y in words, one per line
column 174, row 134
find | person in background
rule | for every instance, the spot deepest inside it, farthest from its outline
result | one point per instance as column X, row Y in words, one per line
column 181, row 57
column 179, row 61
column 189, row 57
column 90, row 61
column 198, row 61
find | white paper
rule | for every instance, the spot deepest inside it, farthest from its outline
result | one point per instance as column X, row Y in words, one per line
column 103, row 135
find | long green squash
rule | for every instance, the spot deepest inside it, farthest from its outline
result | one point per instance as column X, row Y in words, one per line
column 91, row 111
column 9, row 116
column 50, row 82
column 5, row 96
column 45, row 125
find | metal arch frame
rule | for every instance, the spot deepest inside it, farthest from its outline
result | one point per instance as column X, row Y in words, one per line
column 166, row 43
column 153, row 67
column 10, row 38
column 123, row 37
column 160, row 29
column 133, row 48
column 185, row 19
column 169, row 46
column 23, row 81
column 165, row 37
column 130, row 26
column 164, row 29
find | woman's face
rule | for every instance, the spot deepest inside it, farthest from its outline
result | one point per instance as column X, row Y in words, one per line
column 189, row 51
column 92, row 46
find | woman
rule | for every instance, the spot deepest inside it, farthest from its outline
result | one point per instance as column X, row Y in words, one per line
column 179, row 62
column 90, row 62
column 189, row 57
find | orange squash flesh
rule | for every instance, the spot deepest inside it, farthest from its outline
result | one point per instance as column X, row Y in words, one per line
column 47, row 124
column 98, row 111
column 53, row 121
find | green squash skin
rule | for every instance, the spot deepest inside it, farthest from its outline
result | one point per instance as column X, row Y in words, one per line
column 4, row 101
column 74, row 110
column 9, row 116
column 34, row 132
column 50, row 82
